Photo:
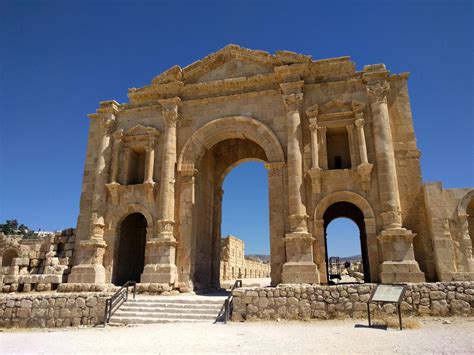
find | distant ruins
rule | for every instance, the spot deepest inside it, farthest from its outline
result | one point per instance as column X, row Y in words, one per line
column 337, row 142
column 234, row 263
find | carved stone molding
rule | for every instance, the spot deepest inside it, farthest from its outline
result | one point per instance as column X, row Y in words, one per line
column 165, row 227
column 274, row 169
column 312, row 111
column 293, row 102
column 378, row 90
column 391, row 219
column 170, row 110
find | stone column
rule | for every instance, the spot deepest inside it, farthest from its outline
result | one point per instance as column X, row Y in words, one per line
column 91, row 268
column 149, row 164
column 323, row 147
column 364, row 168
column 315, row 171
column 126, row 155
column 162, row 254
column 118, row 136
column 352, row 147
column 396, row 242
column 299, row 266
column 359, row 123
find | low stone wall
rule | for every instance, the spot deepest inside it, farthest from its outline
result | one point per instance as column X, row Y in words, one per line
column 52, row 310
column 340, row 301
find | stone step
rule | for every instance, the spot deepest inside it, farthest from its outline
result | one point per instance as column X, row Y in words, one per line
column 178, row 301
column 169, row 310
column 118, row 321
column 172, row 305
column 163, row 315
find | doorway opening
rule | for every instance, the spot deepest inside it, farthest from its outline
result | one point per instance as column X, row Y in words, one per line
column 346, row 244
column 131, row 249
column 245, row 240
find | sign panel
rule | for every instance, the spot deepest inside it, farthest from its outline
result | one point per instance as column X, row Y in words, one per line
column 387, row 293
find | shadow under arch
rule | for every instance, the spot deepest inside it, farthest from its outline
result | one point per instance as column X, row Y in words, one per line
column 465, row 216
column 355, row 207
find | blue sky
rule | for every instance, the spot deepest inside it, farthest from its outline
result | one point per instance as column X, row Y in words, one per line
column 60, row 58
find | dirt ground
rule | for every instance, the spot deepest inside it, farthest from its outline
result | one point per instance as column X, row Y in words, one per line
column 329, row 337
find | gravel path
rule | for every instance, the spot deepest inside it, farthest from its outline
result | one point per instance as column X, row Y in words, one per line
column 336, row 337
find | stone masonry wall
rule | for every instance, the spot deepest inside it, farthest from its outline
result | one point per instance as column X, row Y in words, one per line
column 327, row 302
column 51, row 310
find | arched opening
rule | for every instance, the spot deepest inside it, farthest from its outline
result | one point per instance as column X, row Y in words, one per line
column 131, row 249
column 245, row 222
column 8, row 256
column 206, row 158
column 357, row 271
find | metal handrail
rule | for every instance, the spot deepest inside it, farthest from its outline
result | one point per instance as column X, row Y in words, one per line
column 228, row 300
column 113, row 303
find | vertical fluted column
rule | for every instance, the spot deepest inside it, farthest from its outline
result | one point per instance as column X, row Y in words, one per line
column 384, row 155
column 149, row 164
column 315, row 171
column 396, row 242
column 352, row 147
column 161, row 252
column 323, row 147
column 116, row 147
column 299, row 266
column 296, row 208
column 359, row 123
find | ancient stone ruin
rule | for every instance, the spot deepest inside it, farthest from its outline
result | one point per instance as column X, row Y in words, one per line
column 337, row 142
column 234, row 263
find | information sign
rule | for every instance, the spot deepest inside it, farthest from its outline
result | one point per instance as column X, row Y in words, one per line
column 388, row 293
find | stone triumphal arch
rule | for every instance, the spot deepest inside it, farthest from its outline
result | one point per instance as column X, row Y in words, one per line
column 336, row 142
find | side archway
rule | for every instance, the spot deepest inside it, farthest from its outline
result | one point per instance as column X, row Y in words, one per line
column 350, row 205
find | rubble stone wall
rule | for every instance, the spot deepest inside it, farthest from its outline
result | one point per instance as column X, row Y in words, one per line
column 51, row 310
column 340, row 301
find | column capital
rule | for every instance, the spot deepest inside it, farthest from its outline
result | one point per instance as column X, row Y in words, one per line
column 170, row 110
column 312, row 112
column 359, row 122
column 118, row 136
column 378, row 90
column 313, row 125
column 293, row 102
column 322, row 129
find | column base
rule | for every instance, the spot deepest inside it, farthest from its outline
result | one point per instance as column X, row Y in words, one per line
column 400, row 265
column 394, row 272
column 160, row 273
column 300, row 273
column 87, row 273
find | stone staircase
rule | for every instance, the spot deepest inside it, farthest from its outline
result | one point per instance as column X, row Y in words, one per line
column 167, row 309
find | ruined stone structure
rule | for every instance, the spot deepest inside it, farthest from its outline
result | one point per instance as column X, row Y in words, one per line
column 234, row 263
column 337, row 142
column 35, row 264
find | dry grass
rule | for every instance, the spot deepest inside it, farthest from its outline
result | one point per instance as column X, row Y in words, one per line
column 382, row 319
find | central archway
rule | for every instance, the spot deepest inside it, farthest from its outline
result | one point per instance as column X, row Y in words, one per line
column 208, row 156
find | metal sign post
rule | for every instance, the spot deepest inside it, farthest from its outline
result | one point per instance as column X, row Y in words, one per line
column 387, row 294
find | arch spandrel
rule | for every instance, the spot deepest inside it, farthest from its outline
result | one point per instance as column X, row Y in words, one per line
column 231, row 127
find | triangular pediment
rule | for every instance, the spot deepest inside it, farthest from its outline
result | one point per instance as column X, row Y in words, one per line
column 139, row 130
column 337, row 106
column 230, row 62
